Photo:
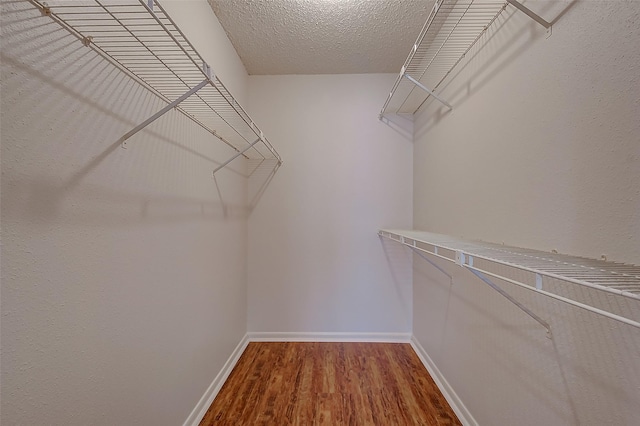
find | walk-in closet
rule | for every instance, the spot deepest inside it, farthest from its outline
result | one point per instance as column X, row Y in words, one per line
column 320, row 212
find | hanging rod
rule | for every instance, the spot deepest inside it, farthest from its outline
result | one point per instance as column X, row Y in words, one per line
column 618, row 279
column 141, row 39
column 451, row 30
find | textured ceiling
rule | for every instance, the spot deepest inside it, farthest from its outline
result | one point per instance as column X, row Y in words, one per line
column 322, row 36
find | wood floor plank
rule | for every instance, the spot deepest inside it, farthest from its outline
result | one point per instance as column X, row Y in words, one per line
column 296, row 383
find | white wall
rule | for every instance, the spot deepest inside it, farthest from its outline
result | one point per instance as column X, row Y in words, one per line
column 315, row 261
column 201, row 27
column 123, row 280
column 542, row 150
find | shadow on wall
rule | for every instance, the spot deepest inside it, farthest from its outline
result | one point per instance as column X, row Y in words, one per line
column 400, row 263
column 402, row 124
column 561, row 121
column 65, row 110
column 586, row 373
column 491, row 63
column 260, row 176
column 485, row 311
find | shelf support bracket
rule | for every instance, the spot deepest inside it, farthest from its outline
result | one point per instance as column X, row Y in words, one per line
column 426, row 89
column 160, row 113
column 531, row 14
column 416, row 251
column 221, row 166
column 510, row 298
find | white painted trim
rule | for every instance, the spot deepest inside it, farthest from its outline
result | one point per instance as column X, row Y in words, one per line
column 329, row 337
column 207, row 399
column 449, row 394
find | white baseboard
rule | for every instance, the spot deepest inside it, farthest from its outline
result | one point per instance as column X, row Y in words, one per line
column 207, row 399
column 329, row 337
column 449, row 394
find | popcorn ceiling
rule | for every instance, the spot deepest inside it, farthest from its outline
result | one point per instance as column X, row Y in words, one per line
column 322, row 36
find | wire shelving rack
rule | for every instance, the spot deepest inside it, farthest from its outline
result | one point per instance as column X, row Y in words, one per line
column 617, row 279
column 451, row 30
column 141, row 39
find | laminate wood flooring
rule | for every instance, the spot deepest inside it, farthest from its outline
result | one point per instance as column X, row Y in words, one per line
column 329, row 384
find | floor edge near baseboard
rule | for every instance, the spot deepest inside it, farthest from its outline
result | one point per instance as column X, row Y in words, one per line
column 458, row 407
column 210, row 394
column 329, row 337
column 212, row 391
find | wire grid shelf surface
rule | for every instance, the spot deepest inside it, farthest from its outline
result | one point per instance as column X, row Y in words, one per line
column 141, row 38
column 617, row 278
column 452, row 28
column 609, row 277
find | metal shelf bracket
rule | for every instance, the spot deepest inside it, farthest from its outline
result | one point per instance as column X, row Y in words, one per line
column 143, row 41
column 452, row 28
column 496, row 287
column 160, row 113
column 531, row 14
column 426, row 89
column 45, row 9
column 616, row 279
column 435, row 265
column 238, row 154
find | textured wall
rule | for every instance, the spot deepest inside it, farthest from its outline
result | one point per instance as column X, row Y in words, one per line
column 123, row 271
column 542, row 150
column 315, row 262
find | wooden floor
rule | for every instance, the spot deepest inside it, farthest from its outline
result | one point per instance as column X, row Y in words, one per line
column 329, row 384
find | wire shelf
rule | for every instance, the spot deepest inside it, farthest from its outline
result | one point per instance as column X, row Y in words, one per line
column 141, row 39
column 609, row 277
column 451, row 30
